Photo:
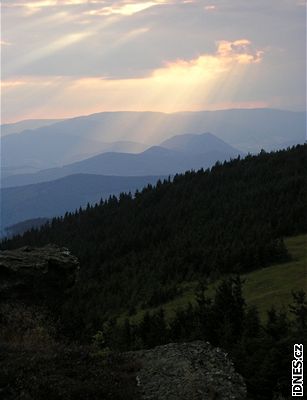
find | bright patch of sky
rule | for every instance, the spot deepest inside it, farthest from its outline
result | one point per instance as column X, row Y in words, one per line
column 68, row 57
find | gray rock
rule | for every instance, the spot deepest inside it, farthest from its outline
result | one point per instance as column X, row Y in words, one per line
column 187, row 371
column 33, row 274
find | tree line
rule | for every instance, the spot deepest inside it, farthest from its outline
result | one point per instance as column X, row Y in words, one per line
column 262, row 351
column 137, row 249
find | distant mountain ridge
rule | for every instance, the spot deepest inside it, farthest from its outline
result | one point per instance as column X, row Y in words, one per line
column 202, row 152
column 48, row 152
column 52, row 192
column 49, row 199
column 20, row 126
column 20, row 227
column 198, row 144
column 78, row 138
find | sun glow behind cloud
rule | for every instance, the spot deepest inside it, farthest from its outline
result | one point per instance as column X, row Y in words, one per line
column 81, row 56
column 99, row 7
column 124, row 9
column 178, row 85
column 49, row 3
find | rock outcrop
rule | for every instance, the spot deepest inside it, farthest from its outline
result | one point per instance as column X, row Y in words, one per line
column 34, row 281
column 187, row 371
column 34, row 274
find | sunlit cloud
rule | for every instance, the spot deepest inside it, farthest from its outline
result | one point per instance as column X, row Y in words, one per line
column 207, row 66
column 210, row 7
column 240, row 51
column 12, row 83
column 5, row 43
column 124, row 8
column 83, row 56
column 177, row 86
column 31, row 82
column 30, row 7
column 33, row 7
column 49, row 3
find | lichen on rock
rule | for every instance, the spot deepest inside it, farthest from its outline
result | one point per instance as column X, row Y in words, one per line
column 193, row 371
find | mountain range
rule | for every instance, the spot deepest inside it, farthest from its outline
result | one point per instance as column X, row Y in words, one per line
column 56, row 166
column 180, row 154
column 75, row 139
column 49, row 199
column 20, row 126
column 48, row 152
column 54, row 191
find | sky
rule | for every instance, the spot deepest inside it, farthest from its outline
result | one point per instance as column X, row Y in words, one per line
column 62, row 58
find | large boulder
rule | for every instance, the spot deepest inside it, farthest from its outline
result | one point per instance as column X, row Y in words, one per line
column 34, row 365
column 36, row 275
column 181, row 371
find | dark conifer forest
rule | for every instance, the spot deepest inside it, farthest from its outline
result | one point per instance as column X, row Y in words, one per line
column 136, row 250
column 230, row 219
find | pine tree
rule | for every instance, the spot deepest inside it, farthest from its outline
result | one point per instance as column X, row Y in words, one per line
column 299, row 309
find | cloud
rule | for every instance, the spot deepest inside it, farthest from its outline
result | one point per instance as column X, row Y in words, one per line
column 210, row 7
column 123, row 8
column 48, row 3
column 5, row 43
column 12, row 83
column 48, row 50
column 240, row 51
column 178, row 85
column 167, row 55
column 227, row 55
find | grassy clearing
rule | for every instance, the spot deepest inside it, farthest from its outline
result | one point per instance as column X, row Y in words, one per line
column 273, row 285
column 263, row 288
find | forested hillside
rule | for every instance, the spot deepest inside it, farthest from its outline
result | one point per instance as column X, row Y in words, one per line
column 137, row 252
column 136, row 249
column 54, row 198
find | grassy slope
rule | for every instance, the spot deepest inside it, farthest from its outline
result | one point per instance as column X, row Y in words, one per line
column 263, row 288
column 273, row 285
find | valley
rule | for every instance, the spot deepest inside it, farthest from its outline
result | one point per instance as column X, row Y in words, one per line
column 153, row 224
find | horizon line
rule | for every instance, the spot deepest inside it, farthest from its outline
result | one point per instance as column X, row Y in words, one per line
column 59, row 119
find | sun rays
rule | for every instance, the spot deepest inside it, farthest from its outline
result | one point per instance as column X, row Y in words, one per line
column 176, row 86
column 93, row 7
column 69, row 57
column 179, row 84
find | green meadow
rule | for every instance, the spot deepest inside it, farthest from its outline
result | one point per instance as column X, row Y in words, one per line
column 264, row 288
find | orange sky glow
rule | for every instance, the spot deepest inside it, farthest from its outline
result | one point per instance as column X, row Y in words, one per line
column 63, row 58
